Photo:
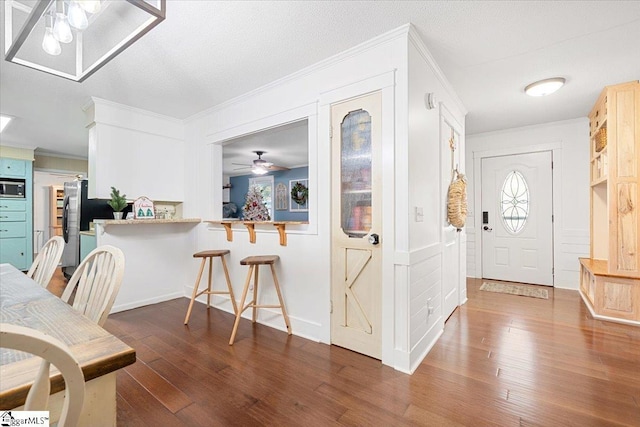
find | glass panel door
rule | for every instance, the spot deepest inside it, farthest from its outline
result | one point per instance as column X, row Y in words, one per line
column 355, row 175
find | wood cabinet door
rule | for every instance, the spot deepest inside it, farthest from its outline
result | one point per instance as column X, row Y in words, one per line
column 624, row 179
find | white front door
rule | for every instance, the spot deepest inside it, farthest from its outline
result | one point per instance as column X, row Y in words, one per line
column 356, row 225
column 517, row 225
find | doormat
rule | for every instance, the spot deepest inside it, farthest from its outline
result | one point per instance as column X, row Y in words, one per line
column 506, row 288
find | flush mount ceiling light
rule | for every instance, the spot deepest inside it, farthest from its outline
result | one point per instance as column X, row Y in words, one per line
column 74, row 38
column 4, row 121
column 544, row 87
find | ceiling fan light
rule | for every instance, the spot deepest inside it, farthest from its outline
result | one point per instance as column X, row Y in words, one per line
column 259, row 170
column 544, row 87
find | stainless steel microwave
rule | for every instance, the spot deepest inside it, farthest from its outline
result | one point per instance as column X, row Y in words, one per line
column 12, row 188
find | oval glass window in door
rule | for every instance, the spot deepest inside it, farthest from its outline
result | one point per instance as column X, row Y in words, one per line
column 514, row 202
column 355, row 173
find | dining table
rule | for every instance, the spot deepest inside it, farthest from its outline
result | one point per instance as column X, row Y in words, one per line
column 100, row 354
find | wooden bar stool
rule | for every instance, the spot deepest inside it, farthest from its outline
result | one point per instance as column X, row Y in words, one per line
column 254, row 263
column 209, row 255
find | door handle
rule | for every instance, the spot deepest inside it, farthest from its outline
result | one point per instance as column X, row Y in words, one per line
column 486, row 228
column 374, row 239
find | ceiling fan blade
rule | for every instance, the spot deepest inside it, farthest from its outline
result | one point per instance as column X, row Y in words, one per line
column 241, row 164
column 278, row 168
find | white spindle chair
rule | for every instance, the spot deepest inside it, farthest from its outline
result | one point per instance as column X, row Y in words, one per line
column 53, row 352
column 97, row 279
column 47, row 261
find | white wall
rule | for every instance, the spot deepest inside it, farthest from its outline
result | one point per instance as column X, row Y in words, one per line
column 158, row 261
column 138, row 152
column 433, row 252
column 409, row 130
column 304, row 268
column 569, row 141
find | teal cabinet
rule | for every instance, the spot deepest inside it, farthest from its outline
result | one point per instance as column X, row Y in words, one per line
column 87, row 244
column 16, row 216
column 13, row 216
column 13, row 168
column 14, row 251
column 9, row 230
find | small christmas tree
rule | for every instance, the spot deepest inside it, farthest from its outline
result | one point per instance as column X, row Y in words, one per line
column 254, row 208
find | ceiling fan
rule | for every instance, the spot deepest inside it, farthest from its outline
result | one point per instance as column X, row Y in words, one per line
column 261, row 166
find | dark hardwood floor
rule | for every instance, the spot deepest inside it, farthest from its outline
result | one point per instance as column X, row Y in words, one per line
column 503, row 360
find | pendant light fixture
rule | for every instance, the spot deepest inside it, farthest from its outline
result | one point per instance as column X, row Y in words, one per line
column 49, row 43
column 61, row 28
column 544, row 87
column 71, row 22
column 77, row 16
column 91, row 6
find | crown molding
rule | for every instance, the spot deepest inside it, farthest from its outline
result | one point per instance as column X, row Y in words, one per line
column 105, row 102
column 104, row 112
column 45, row 153
column 577, row 120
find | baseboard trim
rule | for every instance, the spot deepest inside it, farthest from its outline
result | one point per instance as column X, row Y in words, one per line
column 140, row 303
column 269, row 317
column 424, row 346
column 606, row 318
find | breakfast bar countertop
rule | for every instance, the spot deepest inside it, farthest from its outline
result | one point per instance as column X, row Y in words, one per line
column 279, row 225
column 105, row 222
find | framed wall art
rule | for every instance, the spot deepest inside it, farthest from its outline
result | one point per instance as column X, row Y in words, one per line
column 282, row 198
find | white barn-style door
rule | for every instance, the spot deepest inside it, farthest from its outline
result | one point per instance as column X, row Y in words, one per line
column 356, row 225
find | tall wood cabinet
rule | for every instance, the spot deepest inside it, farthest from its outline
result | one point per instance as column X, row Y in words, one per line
column 610, row 278
column 56, row 199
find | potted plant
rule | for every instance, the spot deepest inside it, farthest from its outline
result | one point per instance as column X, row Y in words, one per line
column 117, row 203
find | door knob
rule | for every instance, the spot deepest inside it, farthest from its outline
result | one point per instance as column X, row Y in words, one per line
column 374, row 239
column 486, row 228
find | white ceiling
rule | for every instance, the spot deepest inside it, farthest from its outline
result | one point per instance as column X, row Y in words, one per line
column 207, row 52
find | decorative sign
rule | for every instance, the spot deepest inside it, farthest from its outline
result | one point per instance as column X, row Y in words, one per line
column 282, row 198
column 143, row 208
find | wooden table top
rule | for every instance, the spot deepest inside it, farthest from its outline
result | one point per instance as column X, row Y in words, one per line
column 23, row 302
